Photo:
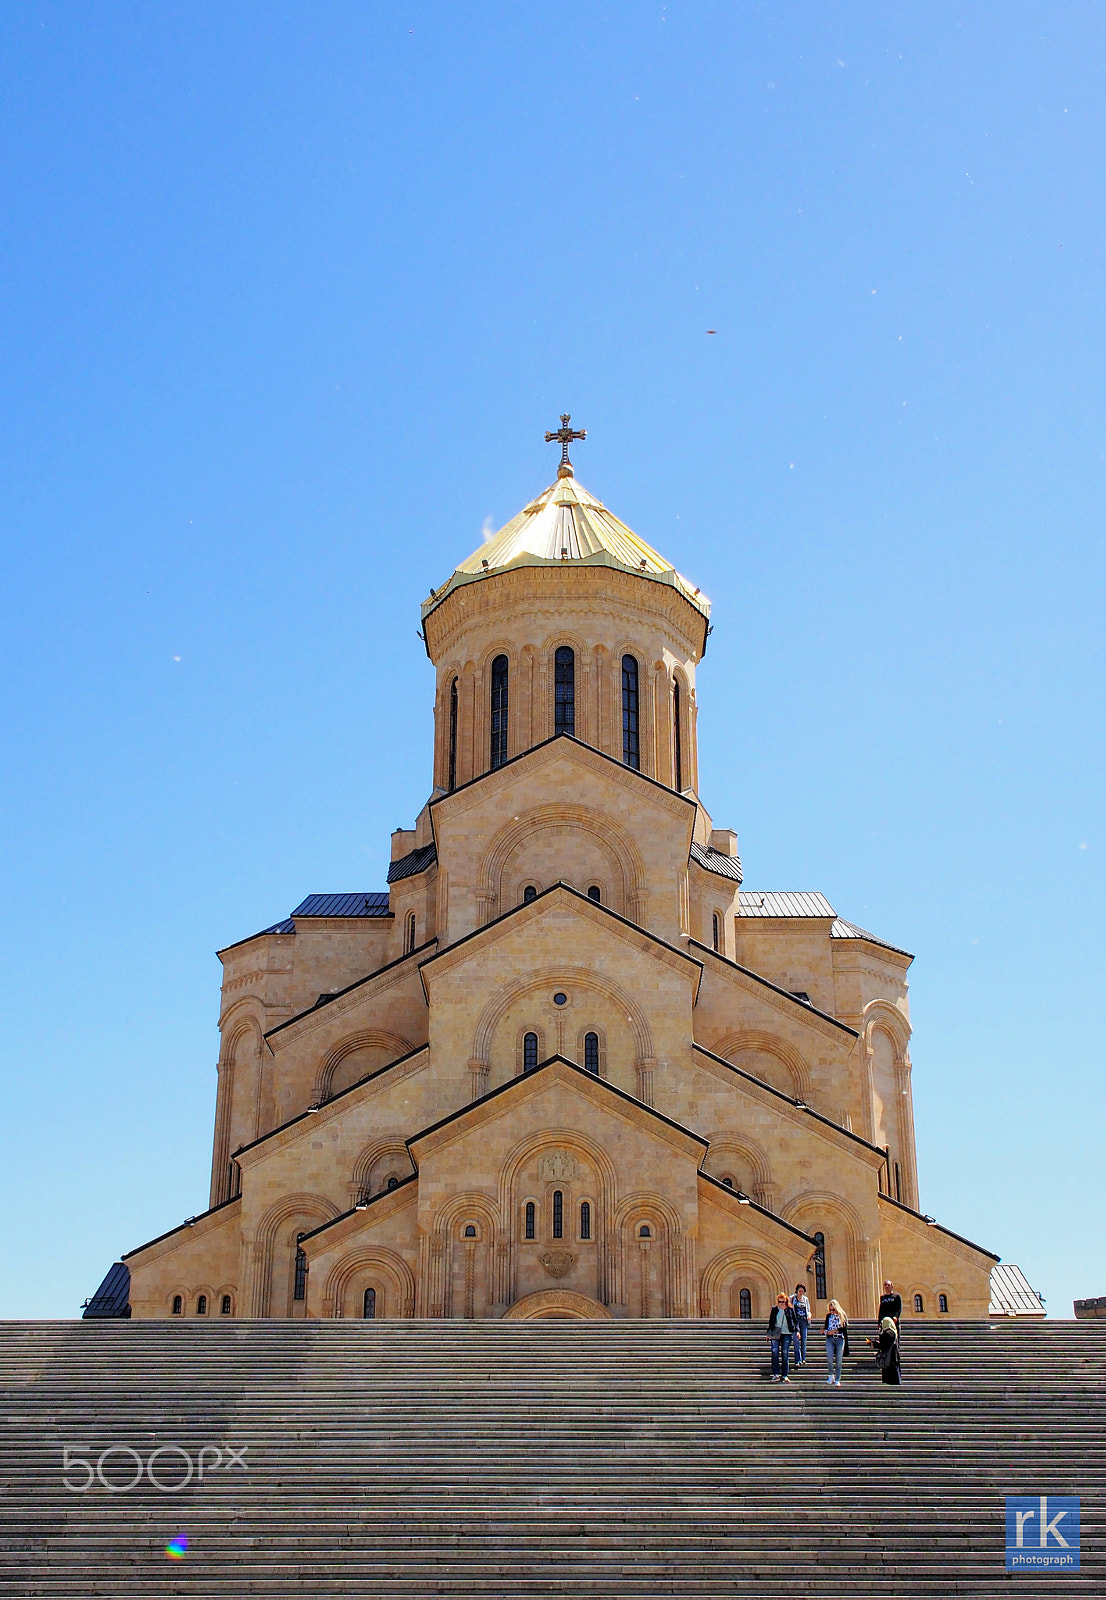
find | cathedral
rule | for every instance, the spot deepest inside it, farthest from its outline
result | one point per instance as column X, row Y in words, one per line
column 566, row 1065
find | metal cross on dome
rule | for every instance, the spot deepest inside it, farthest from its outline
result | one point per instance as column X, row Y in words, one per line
column 564, row 437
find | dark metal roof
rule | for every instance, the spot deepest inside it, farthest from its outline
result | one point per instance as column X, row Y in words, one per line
column 287, row 926
column 714, row 861
column 414, row 861
column 110, row 1299
column 849, row 930
column 343, row 905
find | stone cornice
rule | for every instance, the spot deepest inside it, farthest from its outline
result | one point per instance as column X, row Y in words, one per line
column 955, row 1243
column 504, row 1100
column 378, row 1208
column 780, row 999
column 194, row 1228
column 639, row 784
column 590, row 910
column 560, row 589
column 804, row 1116
column 345, row 1000
column 334, row 1108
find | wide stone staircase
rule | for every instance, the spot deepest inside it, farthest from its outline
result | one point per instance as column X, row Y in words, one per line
column 532, row 1459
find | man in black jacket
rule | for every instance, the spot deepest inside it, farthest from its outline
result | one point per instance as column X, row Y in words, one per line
column 782, row 1323
column 890, row 1304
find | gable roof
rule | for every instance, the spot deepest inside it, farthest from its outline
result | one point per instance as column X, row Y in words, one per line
column 796, row 1105
column 783, row 903
column 527, row 1079
column 620, row 767
column 336, row 994
column 806, row 1006
column 589, row 906
column 716, row 861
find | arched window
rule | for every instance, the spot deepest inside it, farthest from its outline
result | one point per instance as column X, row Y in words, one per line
column 368, row 1308
column 392, row 1183
column 677, row 740
column 201, row 1306
column 898, row 1183
column 558, row 1214
column 499, row 711
column 645, row 1232
column 178, row 1305
column 529, row 1052
column 585, row 1219
column 591, row 1052
column 564, row 690
column 819, row 1266
column 453, row 736
column 234, row 1186
column 528, row 894
column 716, row 931
column 631, row 749
column 943, row 1303
column 595, row 893
column 728, row 1182
column 299, row 1288
column 409, row 933
column 745, row 1303
column 919, row 1304
column 470, row 1230
column 224, row 1309
column 531, row 1218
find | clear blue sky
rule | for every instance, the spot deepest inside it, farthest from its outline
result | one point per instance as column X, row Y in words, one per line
column 290, row 294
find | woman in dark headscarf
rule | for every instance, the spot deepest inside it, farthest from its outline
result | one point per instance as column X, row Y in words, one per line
column 886, row 1348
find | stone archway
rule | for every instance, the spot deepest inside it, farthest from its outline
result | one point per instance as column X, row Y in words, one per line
column 556, row 1304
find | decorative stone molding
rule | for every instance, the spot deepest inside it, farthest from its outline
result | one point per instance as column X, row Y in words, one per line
column 558, row 1263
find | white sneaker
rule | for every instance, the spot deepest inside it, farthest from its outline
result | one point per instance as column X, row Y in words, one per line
column 830, row 1378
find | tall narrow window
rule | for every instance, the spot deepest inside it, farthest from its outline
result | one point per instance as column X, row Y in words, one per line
column 299, row 1289
column 819, row 1266
column 369, row 1307
column 677, row 740
column 224, row 1309
column 499, row 711
column 716, row 931
column 529, row 1052
column 453, row 736
column 585, row 1219
column 409, row 935
column 591, row 1052
column 898, row 1183
column 745, row 1303
column 631, row 749
column 531, row 1218
column 919, row 1305
column 178, row 1304
column 558, row 1214
column 564, row 690
column 201, row 1306
column 943, row 1303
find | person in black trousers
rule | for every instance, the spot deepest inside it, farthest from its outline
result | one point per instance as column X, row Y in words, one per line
column 781, row 1325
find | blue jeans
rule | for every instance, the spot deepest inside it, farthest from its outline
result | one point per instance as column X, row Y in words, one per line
column 835, row 1349
column 781, row 1350
column 800, row 1339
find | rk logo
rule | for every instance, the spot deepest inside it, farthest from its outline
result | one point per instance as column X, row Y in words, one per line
column 1042, row 1533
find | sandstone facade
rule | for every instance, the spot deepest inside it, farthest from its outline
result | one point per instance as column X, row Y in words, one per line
column 567, row 1065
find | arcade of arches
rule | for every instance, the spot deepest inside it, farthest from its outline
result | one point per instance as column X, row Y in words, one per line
column 565, row 1065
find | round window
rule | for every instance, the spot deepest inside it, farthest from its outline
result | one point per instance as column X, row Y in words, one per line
column 560, row 999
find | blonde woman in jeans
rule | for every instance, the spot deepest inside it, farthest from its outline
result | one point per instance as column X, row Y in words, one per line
column 836, row 1324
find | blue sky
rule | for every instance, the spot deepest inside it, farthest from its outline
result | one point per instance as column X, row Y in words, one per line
column 290, row 294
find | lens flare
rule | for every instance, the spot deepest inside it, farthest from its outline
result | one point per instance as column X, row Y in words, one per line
column 176, row 1547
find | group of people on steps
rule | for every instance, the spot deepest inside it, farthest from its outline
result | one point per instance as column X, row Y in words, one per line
column 789, row 1322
